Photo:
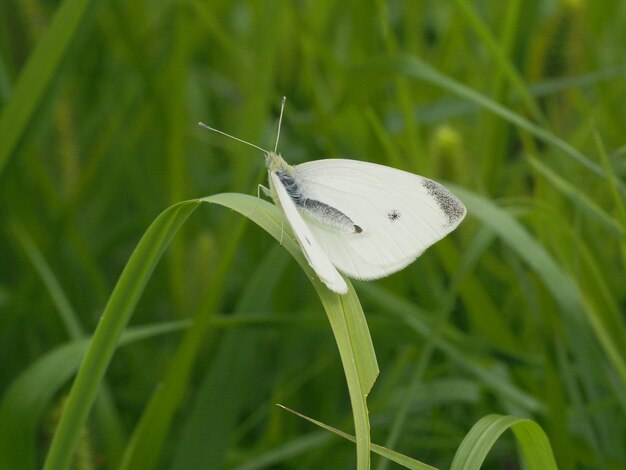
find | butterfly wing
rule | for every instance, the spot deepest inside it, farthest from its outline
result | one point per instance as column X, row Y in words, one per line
column 400, row 214
column 314, row 254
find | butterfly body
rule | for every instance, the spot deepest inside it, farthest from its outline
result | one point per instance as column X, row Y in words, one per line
column 321, row 212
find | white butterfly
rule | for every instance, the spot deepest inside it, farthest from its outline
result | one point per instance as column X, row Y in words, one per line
column 365, row 220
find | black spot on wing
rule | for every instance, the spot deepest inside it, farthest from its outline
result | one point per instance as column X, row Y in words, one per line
column 357, row 229
column 447, row 202
column 393, row 214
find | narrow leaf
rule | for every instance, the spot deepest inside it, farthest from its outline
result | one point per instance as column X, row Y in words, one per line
column 31, row 393
column 39, row 72
column 380, row 450
column 534, row 444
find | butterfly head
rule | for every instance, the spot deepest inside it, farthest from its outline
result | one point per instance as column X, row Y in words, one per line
column 274, row 162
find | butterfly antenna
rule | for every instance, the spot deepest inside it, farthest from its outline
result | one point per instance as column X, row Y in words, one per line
column 280, row 121
column 206, row 126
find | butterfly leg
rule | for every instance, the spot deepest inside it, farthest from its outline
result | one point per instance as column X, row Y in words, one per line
column 266, row 192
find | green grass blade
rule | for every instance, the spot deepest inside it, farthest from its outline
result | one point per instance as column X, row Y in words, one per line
column 107, row 416
column 392, row 455
column 603, row 312
column 574, row 315
column 39, row 72
column 289, row 450
column 470, row 257
column 578, row 198
column 5, row 83
column 152, row 429
column 24, row 402
column 416, row 68
column 344, row 313
column 64, row 308
column 412, row 316
column 614, row 186
column 114, row 319
column 500, row 58
column 534, row 445
column 359, row 363
column 558, row 283
column 232, row 373
column 527, row 247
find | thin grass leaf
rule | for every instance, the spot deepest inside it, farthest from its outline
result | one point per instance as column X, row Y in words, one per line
column 600, row 306
column 613, row 350
column 344, row 313
column 602, row 311
column 107, row 416
column 413, row 317
column 5, row 82
column 553, row 86
column 116, row 315
column 39, row 72
column 231, row 373
column 414, row 67
column 392, row 455
column 560, row 284
column 502, row 61
column 348, row 324
column 526, row 246
column 289, row 450
column 588, row 351
column 578, row 198
column 534, row 444
column 469, row 260
column 152, row 430
column 614, row 186
column 31, row 393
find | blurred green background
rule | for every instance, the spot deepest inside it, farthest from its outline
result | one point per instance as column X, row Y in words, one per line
column 520, row 311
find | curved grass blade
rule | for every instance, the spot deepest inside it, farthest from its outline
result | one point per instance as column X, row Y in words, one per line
column 534, row 444
column 348, row 325
column 26, row 400
column 39, row 73
column 107, row 417
column 345, row 315
column 116, row 315
column 151, row 431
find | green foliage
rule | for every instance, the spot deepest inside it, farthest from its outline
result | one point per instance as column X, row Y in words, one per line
column 533, row 442
column 518, row 106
